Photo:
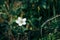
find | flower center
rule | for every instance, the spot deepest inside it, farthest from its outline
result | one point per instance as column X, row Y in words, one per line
column 21, row 21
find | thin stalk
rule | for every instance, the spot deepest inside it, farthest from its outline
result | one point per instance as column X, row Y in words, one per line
column 31, row 24
column 54, row 10
column 48, row 21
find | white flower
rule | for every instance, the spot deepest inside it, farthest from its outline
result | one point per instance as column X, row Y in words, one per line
column 21, row 21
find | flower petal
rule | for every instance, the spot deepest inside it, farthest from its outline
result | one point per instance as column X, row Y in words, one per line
column 24, row 19
column 21, row 21
column 20, row 24
column 19, row 18
column 17, row 21
column 24, row 23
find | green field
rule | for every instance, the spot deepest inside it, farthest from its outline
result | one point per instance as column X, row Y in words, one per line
column 29, row 19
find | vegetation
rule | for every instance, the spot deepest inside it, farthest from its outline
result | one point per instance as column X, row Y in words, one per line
column 36, row 20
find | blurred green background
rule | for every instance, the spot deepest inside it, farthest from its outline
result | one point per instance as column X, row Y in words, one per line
column 37, row 13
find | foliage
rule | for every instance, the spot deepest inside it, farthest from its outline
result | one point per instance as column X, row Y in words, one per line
column 43, row 19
